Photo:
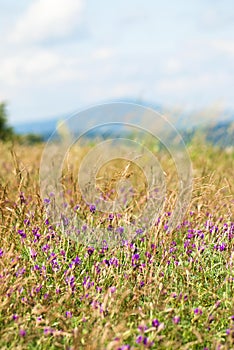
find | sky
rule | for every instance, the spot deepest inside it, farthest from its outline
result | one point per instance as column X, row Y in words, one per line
column 59, row 56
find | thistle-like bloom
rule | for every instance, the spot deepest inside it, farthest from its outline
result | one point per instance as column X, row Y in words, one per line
column 92, row 208
column 176, row 319
column 22, row 333
column 155, row 323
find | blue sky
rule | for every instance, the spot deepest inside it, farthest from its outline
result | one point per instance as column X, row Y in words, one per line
column 58, row 56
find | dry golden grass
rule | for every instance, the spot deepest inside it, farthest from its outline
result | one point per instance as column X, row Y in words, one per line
column 100, row 300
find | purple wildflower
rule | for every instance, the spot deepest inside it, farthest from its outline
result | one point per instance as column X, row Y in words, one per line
column 90, row 250
column 111, row 216
column 139, row 339
column 22, row 233
column 120, row 229
column 92, row 208
column 142, row 283
column 197, row 311
column 33, row 253
column 22, row 198
column 48, row 330
column 155, row 323
column 113, row 289
column 63, row 253
column 142, row 328
column 22, row 332
column 176, row 319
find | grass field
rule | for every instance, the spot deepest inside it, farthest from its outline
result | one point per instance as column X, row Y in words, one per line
column 162, row 291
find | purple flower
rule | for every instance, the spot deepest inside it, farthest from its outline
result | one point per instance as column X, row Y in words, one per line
column 22, row 233
column 120, row 229
column 145, row 341
column 76, row 261
column 22, row 198
column 20, row 272
column 45, row 247
column 1, row 253
column 135, row 256
column 38, row 288
column 176, row 319
column 90, row 250
column 92, row 208
column 62, row 252
column 111, row 216
column 142, row 283
column 142, row 328
column 197, row 311
column 114, row 261
column 155, row 323
column 33, row 253
column 112, row 289
column 139, row 339
column 48, row 330
column 68, row 314
column 222, row 247
column 139, row 231
column 22, row 332
column 15, row 317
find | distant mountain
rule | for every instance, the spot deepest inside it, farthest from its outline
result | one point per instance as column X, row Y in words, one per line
column 220, row 133
column 46, row 127
column 43, row 128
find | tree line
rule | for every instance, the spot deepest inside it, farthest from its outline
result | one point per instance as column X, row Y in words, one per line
column 7, row 132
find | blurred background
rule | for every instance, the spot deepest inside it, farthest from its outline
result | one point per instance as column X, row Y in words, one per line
column 61, row 56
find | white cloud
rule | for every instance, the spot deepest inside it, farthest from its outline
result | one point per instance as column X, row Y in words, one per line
column 39, row 66
column 191, row 83
column 18, row 69
column 47, row 19
column 103, row 53
column 224, row 46
column 172, row 66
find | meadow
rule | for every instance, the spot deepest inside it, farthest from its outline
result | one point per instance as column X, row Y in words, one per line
column 164, row 290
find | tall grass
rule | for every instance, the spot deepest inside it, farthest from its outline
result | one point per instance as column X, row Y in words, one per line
column 162, row 291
